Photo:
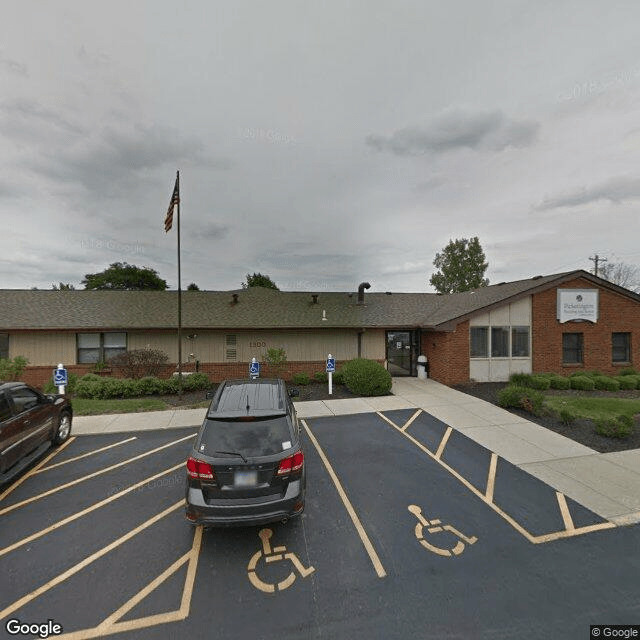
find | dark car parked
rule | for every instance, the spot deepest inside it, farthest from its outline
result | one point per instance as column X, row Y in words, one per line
column 247, row 463
column 30, row 422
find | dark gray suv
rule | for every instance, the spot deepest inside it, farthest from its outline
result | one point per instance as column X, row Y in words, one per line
column 247, row 464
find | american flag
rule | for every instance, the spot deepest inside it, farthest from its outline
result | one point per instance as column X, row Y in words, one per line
column 175, row 199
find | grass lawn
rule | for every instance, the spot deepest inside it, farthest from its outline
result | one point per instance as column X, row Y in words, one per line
column 594, row 408
column 88, row 407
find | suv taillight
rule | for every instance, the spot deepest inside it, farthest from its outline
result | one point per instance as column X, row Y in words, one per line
column 199, row 469
column 292, row 464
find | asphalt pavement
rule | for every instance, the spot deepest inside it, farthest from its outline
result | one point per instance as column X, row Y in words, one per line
column 606, row 483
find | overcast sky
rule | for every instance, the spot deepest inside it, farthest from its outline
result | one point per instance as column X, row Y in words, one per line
column 321, row 143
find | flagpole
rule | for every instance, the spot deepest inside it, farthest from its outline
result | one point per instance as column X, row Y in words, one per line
column 179, row 296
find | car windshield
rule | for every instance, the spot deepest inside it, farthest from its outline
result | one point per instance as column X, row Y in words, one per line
column 257, row 437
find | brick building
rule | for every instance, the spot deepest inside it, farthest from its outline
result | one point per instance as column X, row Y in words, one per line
column 560, row 322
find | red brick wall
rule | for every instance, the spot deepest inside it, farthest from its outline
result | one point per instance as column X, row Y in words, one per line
column 448, row 354
column 617, row 313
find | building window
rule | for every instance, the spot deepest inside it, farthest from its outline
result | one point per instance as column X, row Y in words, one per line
column 520, row 342
column 572, row 348
column 4, row 345
column 100, row 347
column 621, row 347
column 479, row 342
column 230, row 348
column 499, row 342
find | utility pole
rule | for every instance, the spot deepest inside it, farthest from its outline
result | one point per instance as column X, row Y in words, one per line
column 595, row 261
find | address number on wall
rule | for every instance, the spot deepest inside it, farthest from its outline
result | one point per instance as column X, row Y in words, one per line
column 257, row 343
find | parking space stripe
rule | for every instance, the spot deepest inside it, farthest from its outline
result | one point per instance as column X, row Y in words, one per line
column 92, row 475
column 84, row 512
column 556, row 535
column 84, row 455
column 564, row 510
column 443, row 442
column 375, row 560
column 35, row 469
column 407, row 424
column 87, row 561
column 491, row 480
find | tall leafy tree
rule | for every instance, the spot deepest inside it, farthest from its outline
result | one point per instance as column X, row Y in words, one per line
column 123, row 276
column 259, row 280
column 461, row 267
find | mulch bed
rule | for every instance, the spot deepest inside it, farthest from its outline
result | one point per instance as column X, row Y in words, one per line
column 581, row 431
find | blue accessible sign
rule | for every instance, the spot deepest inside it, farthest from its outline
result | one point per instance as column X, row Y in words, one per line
column 254, row 369
column 331, row 365
column 60, row 377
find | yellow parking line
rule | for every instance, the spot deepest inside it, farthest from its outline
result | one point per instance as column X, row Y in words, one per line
column 349, row 507
column 86, row 562
column 84, row 512
column 92, row 475
column 564, row 510
column 491, row 480
column 84, row 455
column 408, row 423
column 35, row 469
column 112, row 625
column 556, row 535
column 443, row 443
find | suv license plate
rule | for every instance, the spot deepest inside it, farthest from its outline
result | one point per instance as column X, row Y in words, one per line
column 246, row 479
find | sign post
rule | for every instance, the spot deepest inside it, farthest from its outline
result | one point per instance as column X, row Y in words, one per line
column 60, row 378
column 254, row 369
column 331, row 367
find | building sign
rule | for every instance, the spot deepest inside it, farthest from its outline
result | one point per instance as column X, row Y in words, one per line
column 577, row 304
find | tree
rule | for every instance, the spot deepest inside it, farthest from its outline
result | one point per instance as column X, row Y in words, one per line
column 461, row 267
column 123, row 276
column 621, row 273
column 193, row 287
column 258, row 280
column 62, row 287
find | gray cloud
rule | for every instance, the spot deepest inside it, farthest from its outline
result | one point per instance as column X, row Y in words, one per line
column 615, row 190
column 22, row 116
column 456, row 129
column 13, row 66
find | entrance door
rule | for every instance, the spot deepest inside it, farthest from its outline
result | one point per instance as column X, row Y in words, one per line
column 401, row 353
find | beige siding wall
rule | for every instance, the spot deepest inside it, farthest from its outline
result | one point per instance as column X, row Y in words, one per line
column 209, row 346
column 42, row 349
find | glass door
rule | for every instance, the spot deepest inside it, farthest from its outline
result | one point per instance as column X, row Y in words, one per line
column 400, row 353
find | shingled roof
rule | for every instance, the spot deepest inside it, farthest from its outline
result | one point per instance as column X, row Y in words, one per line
column 261, row 308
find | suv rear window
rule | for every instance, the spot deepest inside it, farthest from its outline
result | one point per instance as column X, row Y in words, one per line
column 258, row 437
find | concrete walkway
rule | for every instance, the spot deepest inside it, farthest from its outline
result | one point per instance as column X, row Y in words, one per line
column 606, row 483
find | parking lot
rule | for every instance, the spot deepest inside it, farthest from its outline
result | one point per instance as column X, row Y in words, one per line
column 409, row 528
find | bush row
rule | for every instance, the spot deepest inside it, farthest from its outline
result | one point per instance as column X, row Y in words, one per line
column 584, row 380
column 97, row 387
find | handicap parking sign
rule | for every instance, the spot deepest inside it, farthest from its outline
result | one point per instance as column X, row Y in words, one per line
column 331, row 365
column 60, row 377
column 254, row 368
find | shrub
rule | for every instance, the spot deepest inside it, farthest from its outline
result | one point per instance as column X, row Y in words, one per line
column 366, row 377
column 629, row 371
column 323, row 376
column 606, row 383
column 338, row 377
column 530, row 400
column 140, row 363
column 615, row 427
column 276, row 358
column 149, row 386
column 568, row 416
column 89, row 386
column 560, row 382
column 627, row 382
column 520, row 379
column 584, row 383
column 542, row 383
column 301, row 379
column 12, row 368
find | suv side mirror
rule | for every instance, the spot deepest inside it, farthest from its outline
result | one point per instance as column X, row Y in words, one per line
column 294, row 393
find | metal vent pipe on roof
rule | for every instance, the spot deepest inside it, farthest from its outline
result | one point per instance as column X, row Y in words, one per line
column 361, row 288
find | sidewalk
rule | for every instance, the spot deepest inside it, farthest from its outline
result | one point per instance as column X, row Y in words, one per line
column 606, row 483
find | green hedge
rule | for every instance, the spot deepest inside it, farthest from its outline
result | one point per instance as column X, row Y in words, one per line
column 366, row 377
column 301, row 379
column 583, row 383
column 605, row 383
column 560, row 382
column 97, row 387
column 616, row 427
column 530, row 400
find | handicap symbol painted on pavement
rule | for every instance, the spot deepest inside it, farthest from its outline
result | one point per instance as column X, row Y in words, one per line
column 275, row 555
column 434, row 526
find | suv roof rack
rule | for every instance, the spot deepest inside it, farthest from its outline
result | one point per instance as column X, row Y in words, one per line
column 261, row 397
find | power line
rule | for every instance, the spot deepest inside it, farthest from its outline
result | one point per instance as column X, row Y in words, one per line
column 596, row 260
